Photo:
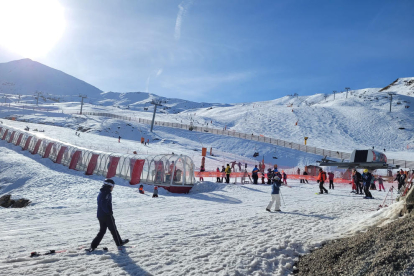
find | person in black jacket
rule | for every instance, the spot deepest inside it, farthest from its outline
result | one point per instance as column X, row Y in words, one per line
column 105, row 216
column 357, row 180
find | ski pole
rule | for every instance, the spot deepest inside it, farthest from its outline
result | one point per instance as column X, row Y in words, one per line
column 280, row 191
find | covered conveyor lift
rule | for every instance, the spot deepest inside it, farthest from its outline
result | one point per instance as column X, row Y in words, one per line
column 366, row 159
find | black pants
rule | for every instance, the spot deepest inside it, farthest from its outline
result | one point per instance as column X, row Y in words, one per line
column 322, row 188
column 367, row 192
column 255, row 177
column 218, row 179
column 104, row 223
column 358, row 188
column 400, row 185
column 227, row 178
column 331, row 184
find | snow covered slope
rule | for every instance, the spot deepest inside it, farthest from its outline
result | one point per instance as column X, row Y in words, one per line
column 217, row 229
column 141, row 101
column 25, row 77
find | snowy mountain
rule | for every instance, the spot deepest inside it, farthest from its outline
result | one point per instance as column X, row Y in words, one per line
column 26, row 76
column 141, row 101
column 402, row 86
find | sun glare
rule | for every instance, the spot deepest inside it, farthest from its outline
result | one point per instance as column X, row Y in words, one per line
column 30, row 27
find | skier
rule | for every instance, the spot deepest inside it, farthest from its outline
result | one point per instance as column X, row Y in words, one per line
column 305, row 173
column 218, row 175
column 401, row 179
column 321, row 179
column 366, row 177
column 105, row 216
column 201, row 171
column 223, row 173
column 372, row 185
column 275, row 194
column 331, row 178
column 357, row 180
column 228, row 172
column 141, row 189
column 119, row 139
column 233, row 164
column 269, row 176
column 155, row 193
column 380, row 183
column 254, row 174
column 239, row 165
column 284, row 177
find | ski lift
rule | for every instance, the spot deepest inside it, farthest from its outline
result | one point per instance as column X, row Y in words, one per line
column 255, row 154
column 274, row 154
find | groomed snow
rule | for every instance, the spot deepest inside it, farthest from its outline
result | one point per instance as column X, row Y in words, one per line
column 217, row 229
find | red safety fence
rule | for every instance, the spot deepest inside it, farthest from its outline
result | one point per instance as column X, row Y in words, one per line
column 243, row 174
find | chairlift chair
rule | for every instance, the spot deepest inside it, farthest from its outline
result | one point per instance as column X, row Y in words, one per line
column 255, row 154
column 274, row 154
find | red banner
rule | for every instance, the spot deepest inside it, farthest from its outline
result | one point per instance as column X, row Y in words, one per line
column 36, row 149
column 113, row 164
column 92, row 164
column 137, row 166
column 75, row 159
column 47, row 151
column 60, row 154
column 12, row 136
column 19, row 139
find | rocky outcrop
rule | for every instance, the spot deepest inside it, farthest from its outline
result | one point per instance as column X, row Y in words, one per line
column 6, row 202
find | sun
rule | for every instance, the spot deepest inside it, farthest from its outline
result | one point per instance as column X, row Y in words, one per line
column 30, row 27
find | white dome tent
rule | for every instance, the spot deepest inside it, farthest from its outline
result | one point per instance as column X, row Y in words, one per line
column 174, row 173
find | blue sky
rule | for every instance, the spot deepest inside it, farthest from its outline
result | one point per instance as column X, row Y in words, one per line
column 234, row 51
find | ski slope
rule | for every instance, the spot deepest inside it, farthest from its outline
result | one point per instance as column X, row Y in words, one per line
column 217, row 229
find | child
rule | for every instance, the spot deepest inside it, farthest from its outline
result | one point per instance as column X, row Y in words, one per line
column 141, row 189
column 275, row 194
column 218, row 177
column 380, row 183
column 155, row 194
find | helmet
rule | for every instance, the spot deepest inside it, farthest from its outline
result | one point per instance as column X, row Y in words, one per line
column 366, row 170
column 109, row 182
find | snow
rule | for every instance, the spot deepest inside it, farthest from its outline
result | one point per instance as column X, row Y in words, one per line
column 217, row 229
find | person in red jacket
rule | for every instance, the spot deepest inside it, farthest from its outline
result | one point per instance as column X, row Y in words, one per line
column 321, row 179
column 331, row 178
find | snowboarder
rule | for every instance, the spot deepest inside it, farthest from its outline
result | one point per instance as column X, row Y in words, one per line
column 331, row 178
column 228, row 172
column 357, row 180
column 366, row 177
column 155, row 193
column 223, row 173
column 321, row 179
column 141, row 189
column 105, row 216
column 275, row 194
column 255, row 174
column 119, row 139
